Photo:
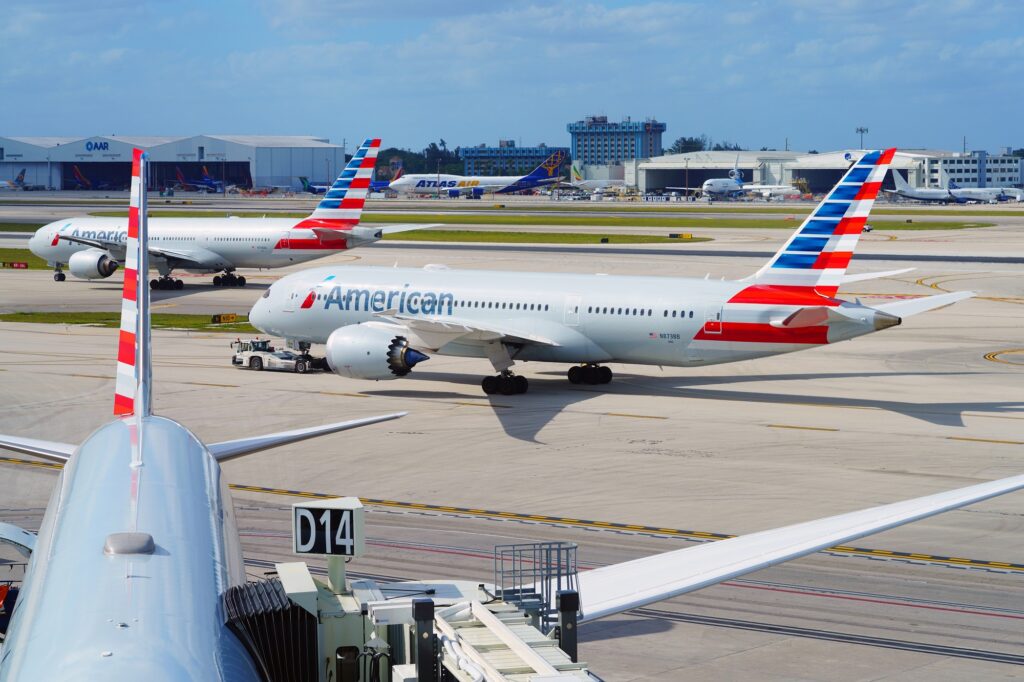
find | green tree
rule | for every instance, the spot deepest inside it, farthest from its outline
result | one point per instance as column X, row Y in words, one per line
column 689, row 144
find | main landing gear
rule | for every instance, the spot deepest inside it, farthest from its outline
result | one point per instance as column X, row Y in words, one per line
column 166, row 283
column 590, row 374
column 505, row 383
column 229, row 279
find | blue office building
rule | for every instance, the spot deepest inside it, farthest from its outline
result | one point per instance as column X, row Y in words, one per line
column 506, row 158
column 596, row 141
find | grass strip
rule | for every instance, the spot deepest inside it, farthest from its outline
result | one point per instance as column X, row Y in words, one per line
column 113, row 320
column 23, row 256
column 20, row 227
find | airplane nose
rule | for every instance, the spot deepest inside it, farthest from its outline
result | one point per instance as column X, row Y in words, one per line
column 258, row 315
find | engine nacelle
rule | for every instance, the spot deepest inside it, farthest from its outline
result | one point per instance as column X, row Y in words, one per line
column 736, row 174
column 92, row 264
column 363, row 352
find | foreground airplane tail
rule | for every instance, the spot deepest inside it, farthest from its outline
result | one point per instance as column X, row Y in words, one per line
column 548, row 169
column 816, row 257
column 134, row 368
column 342, row 205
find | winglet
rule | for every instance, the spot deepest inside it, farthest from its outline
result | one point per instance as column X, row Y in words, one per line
column 134, row 367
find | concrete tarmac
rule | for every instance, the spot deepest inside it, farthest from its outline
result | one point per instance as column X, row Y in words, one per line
column 934, row 404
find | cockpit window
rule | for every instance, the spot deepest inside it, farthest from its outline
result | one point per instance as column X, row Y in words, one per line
column 266, row 294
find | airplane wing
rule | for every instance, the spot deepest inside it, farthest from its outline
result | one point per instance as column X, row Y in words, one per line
column 117, row 251
column 612, row 589
column 19, row 538
column 46, row 449
column 436, row 332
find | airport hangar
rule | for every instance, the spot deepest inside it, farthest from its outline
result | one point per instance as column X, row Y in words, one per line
column 105, row 161
column 921, row 168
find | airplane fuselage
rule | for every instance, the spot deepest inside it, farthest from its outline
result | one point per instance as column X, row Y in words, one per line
column 237, row 242
column 434, row 183
column 586, row 318
column 154, row 616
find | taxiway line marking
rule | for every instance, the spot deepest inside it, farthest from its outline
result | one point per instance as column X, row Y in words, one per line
column 986, row 440
column 802, row 428
column 995, row 356
column 633, row 416
column 1004, row 566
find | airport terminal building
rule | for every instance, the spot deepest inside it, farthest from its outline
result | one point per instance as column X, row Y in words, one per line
column 104, row 162
column 921, row 168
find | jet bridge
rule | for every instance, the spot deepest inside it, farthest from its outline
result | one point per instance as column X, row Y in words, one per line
column 301, row 627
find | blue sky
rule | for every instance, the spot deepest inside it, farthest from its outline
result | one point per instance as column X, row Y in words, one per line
column 917, row 74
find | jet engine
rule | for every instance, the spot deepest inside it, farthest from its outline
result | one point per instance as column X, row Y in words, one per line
column 364, row 352
column 92, row 264
column 736, row 174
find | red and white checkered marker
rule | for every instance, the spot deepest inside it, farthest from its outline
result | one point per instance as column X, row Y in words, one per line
column 131, row 389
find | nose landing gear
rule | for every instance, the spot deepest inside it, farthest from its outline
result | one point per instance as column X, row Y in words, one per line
column 58, row 273
column 505, row 383
column 590, row 374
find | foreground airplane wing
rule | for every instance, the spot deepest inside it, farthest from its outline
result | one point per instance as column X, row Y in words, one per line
column 47, row 449
column 620, row 587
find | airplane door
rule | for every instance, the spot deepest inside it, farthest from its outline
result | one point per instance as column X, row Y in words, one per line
column 292, row 302
column 572, row 309
column 713, row 319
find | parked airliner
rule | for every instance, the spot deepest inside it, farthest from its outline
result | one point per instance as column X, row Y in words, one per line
column 378, row 323
column 139, row 542
column 443, row 184
column 93, row 247
column 733, row 186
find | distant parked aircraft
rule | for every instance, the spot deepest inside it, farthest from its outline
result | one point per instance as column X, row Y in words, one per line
column 443, row 184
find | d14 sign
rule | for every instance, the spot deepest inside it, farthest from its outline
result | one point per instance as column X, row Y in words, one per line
column 329, row 528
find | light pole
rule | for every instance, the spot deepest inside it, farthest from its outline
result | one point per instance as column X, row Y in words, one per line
column 861, row 130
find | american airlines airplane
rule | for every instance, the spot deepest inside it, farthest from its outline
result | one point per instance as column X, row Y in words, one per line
column 93, row 247
column 378, row 323
column 477, row 185
column 139, row 540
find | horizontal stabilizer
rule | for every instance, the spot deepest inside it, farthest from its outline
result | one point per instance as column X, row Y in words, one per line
column 21, row 539
column 47, row 449
column 874, row 275
column 612, row 589
column 243, row 446
column 919, row 305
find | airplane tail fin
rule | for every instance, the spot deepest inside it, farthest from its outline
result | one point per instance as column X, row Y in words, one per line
column 548, row 169
column 899, row 182
column 953, row 185
column 816, row 257
column 304, row 181
column 80, row 177
column 576, row 172
column 342, row 205
column 398, row 173
column 179, row 175
column 134, row 366
column 20, row 180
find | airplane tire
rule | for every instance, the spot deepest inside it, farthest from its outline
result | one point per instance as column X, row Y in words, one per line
column 256, row 364
column 179, row 285
column 241, row 281
column 59, row 277
column 576, row 375
column 604, row 375
column 520, row 384
column 300, row 367
column 216, row 281
column 154, row 284
column 490, row 385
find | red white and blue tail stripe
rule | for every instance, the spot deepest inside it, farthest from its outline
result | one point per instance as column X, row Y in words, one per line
column 817, row 255
column 132, row 383
column 342, row 205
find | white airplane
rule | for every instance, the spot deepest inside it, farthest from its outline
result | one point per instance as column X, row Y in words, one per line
column 377, row 323
column 16, row 183
column 93, row 248
column 576, row 180
column 903, row 189
column 733, row 186
column 989, row 195
column 476, row 185
column 139, row 541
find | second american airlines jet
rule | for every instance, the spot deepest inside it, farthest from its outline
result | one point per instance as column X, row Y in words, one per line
column 378, row 323
column 94, row 247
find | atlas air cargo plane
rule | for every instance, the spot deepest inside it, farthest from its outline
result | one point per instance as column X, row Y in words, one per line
column 477, row 185
column 378, row 323
column 138, row 544
column 93, row 247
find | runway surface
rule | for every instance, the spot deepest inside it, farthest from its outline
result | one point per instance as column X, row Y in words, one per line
column 934, row 404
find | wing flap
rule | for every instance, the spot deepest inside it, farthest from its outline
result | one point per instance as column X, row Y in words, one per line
column 620, row 587
column 46, row 449
column 231, row 449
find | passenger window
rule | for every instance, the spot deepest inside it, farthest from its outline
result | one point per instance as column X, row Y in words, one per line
column 691, row 314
